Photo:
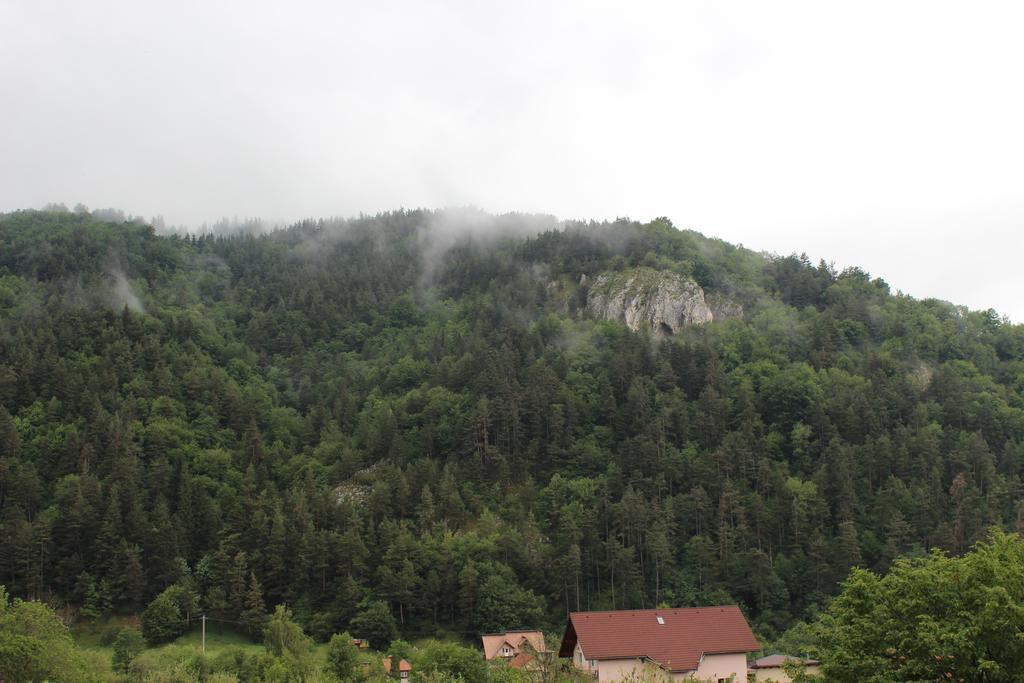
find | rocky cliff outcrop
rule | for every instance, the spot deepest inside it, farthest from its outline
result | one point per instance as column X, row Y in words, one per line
column 723, row 308
column 662, row 301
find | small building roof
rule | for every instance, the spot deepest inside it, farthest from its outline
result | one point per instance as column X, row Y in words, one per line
column 676, row 639
column 402, row 665
column 521, row 660
column 777, row 661
column 493, row 642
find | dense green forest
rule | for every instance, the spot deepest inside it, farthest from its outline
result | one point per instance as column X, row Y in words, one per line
column 411, row 417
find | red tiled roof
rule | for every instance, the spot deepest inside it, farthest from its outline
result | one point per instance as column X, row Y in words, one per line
column 677, row 644
column 402, row 665
column 492, row 642
column 521, row 660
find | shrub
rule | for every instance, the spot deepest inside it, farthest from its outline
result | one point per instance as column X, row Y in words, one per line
column 127, row 646
column 453, row 659
column 162, row 620
column 375, row 623
column 342, row 656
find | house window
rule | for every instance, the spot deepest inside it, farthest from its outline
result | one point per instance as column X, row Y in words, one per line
column 506, row 650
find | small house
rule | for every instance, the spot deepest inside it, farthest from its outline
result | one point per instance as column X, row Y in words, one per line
column 511, row 643
column 700, row 643
column 403, row 670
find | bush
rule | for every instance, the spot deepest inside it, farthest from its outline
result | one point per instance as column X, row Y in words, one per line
column 127, row 646
column 238, row 661
column 342, row 656
column 162, row 621
column 35, row 645
column 930, row 618
column 108, row 634
column 290, row 648
column 400, row 649
column 222, row 678
column 182, row 664
column 375, row 623
column 454, row 660
column 96, row 596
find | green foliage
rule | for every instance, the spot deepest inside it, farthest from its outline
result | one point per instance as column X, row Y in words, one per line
column 799, row 640
column 798, row 672
column 290, row 648
column 400, row 649
column 453, row 660
column 35, row 645
column 383, row 408
column 183, row 595
column 502, row 604
column 931, row 618
column 254, row 615
column 162, row 620
column 342, row 656
column 97, row 600
column 127, row 646
column 375, row 623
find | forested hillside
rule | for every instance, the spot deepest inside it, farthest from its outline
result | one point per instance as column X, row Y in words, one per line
column 417, row 409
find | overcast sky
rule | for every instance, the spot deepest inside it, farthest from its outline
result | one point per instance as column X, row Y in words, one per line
column 888, row 135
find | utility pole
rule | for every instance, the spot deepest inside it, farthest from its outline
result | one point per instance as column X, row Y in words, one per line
column 204, row 634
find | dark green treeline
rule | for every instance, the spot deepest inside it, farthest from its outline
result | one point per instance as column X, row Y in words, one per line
column 382, row 409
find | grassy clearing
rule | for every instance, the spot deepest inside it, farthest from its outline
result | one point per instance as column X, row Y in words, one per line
column 218, row 639
column 91, row 635
column 96, row 639
column 99, row 635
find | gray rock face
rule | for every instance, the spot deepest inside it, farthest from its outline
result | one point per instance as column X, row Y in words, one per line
column 662, row 301
column 723, row 308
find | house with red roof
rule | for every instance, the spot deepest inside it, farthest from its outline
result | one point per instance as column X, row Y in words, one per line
column 403, row 669
column 696, row 643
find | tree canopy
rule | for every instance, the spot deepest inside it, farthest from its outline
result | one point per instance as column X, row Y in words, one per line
column 931, row 618
column 35, row 646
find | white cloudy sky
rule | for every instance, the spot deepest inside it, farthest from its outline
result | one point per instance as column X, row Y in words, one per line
column 883, row 134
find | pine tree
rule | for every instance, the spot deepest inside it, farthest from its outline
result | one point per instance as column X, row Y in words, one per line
column 425, row 511
column 469, row 579
column 237, row 589
column 276, row 567
column 254, row 614
column 108, row 541
column 10, row 443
